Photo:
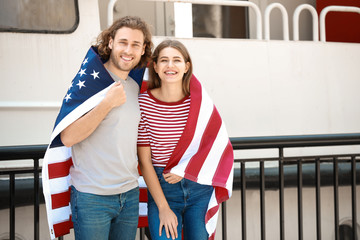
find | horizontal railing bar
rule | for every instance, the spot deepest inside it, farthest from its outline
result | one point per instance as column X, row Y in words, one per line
column 18, row 171
column 309, row 177
column 38, row 151
column 295, row 141
column 22, row 152
column 307, row 159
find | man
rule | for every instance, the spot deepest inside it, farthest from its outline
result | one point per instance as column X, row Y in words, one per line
column 101, row 131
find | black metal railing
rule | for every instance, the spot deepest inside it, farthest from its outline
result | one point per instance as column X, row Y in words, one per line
column 294, row 169
column 35, row 153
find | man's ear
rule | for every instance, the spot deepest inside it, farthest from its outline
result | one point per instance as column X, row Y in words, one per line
column 110, row 43
column 143, row 50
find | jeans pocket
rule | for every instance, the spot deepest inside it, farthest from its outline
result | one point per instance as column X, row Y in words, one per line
column 159, row 173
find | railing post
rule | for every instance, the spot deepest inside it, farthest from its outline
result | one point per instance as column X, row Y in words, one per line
column 315, row 22
column 224, row 223
column 142, row 233
column 110, row 12
column 281, row 192
column 243, row 201
column 336, row 199
column 12, row 206
column 318, row 199
column 36, row 199
column 300, row 200
column 353, row 197
column 262, row 200
column 285, row 20
column 325, row 11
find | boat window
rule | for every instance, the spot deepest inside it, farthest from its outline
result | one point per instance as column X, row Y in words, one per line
column 51, row 16
column 219, row 21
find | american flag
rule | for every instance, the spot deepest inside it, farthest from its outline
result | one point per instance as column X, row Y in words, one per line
column 204, row 153
column 87, row 89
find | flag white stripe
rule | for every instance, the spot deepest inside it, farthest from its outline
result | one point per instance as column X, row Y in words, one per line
column 61, row 214
column 59, row 185
column 58, row 154
column 143, row 209
column 141, row 181
column 211, row 224
column 208, row 170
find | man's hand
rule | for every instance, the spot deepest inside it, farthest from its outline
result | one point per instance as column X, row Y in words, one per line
column 116, row 96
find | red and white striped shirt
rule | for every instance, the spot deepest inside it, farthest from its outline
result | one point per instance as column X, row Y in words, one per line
column 161, row 126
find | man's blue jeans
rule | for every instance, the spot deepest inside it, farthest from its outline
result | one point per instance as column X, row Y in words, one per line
column 98, row 217
column 189, row 201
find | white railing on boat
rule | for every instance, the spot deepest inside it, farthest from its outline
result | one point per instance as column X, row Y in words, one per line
column 314, row 18
column 285, row 20
column 267, row 16
column 333, row 9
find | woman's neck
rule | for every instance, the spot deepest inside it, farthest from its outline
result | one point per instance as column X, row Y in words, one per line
column 168, row 93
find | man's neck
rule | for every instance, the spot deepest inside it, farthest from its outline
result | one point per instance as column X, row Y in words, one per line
column 121, row 74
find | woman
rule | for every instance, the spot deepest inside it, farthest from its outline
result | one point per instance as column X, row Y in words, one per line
column 184, row 152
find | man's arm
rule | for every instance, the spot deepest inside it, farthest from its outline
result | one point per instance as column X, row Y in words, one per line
column 86, row 125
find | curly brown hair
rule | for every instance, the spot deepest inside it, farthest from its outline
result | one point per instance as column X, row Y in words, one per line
column 154, row 79
column 133, row 22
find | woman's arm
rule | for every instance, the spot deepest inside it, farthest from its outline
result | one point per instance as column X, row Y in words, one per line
column 167, row 217
column 86, row 125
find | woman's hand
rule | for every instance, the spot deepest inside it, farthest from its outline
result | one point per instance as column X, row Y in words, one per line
column 169, row 221
column 172, row 178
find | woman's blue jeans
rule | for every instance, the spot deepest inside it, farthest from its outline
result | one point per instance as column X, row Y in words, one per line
column 189, row 201
column 98, row 217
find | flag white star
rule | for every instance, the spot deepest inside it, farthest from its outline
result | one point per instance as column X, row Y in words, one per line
column 95, row 74
column 82, row 72
column 85, row 61
column 67, row 97
column 71, row 85
column 81, row 84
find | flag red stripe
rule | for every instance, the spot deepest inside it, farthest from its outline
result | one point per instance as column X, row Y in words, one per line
column 143, row 221
column 144, row 87
column 221, row 194
column 60, row 169
column 226, row 162
column 60, row 199
column 210, row 213
column 143, row 195
column 207, row 141
column 63, row 228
